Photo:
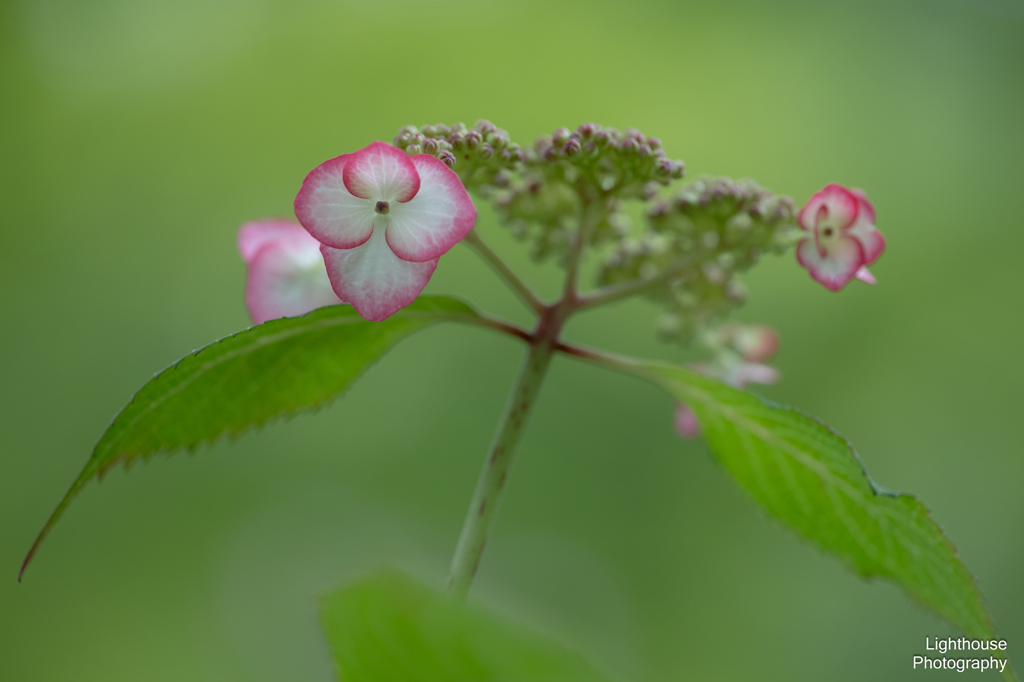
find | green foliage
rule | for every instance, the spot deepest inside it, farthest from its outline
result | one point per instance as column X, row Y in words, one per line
column 810, row 478
column 389, row 628
column 277, row 369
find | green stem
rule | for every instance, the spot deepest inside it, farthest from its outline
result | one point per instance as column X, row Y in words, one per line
column 489, row 487
column 621, row 290
column 543, row 342
column 517, row 285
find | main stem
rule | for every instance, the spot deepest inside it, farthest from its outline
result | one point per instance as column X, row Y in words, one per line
column 542, row 343
column 491, row 484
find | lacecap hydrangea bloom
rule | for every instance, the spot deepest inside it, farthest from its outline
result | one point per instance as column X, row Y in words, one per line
column 383, row 219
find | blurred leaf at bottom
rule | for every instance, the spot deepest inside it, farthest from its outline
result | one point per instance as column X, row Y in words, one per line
column 390, row 628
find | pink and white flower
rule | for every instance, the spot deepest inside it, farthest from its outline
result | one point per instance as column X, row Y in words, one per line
column 383, row 219
column 842, row 239
column 286, row 274
column 742, row 350
column 753, row 342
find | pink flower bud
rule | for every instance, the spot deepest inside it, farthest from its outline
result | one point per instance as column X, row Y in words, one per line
column 756, row 342
column 383, row 219
column 842, row 237
column 687, row 425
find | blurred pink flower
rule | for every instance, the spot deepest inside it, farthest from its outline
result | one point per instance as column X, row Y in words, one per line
column 687, row 425
column 742, row 351
column 383, row 219
column 286, row 274
column 754, row 342
column 842, row 239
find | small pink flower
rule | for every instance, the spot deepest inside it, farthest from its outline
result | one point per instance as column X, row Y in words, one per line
column 754, row 342
column 687, row 425
column 843, row 239
column 383, row 219
column 286, row 274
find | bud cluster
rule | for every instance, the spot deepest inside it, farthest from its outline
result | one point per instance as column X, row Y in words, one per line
column 620, row 163
column 476, row 154
column 698, row 241
column 543, row 192
column 695, row 243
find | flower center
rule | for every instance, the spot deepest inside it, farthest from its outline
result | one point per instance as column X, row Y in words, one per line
column 382, row 207
column 826, row 232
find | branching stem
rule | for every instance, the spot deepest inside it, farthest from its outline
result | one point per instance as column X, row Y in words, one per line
column 629, row 288
column 542, row 344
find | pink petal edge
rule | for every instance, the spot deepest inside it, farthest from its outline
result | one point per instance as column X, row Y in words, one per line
column 436, row 219
column 872, row 241
column 838, row 200
column 328, row 210
column 865, row 205
column 836, row 278
column 381, row 172
column 373, row 279
column 252, row 236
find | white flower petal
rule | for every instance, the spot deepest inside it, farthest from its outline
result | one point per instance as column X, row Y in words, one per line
column 836, row 266
column 433, row 221
column 329, row 211
column 381, row 172
column 373, row 279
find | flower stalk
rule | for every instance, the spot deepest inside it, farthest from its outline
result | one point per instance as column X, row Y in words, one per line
column 489, row 488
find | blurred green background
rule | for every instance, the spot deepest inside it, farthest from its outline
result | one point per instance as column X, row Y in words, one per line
column 135, row 136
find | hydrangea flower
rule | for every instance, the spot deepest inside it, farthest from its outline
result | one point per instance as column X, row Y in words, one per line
column 842, row 239
column 286, row 274
column 742, row 351
column 383, row 219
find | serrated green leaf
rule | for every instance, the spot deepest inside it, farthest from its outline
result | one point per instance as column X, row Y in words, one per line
column 277, row 369
column 810, row 478
column 390, row 628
